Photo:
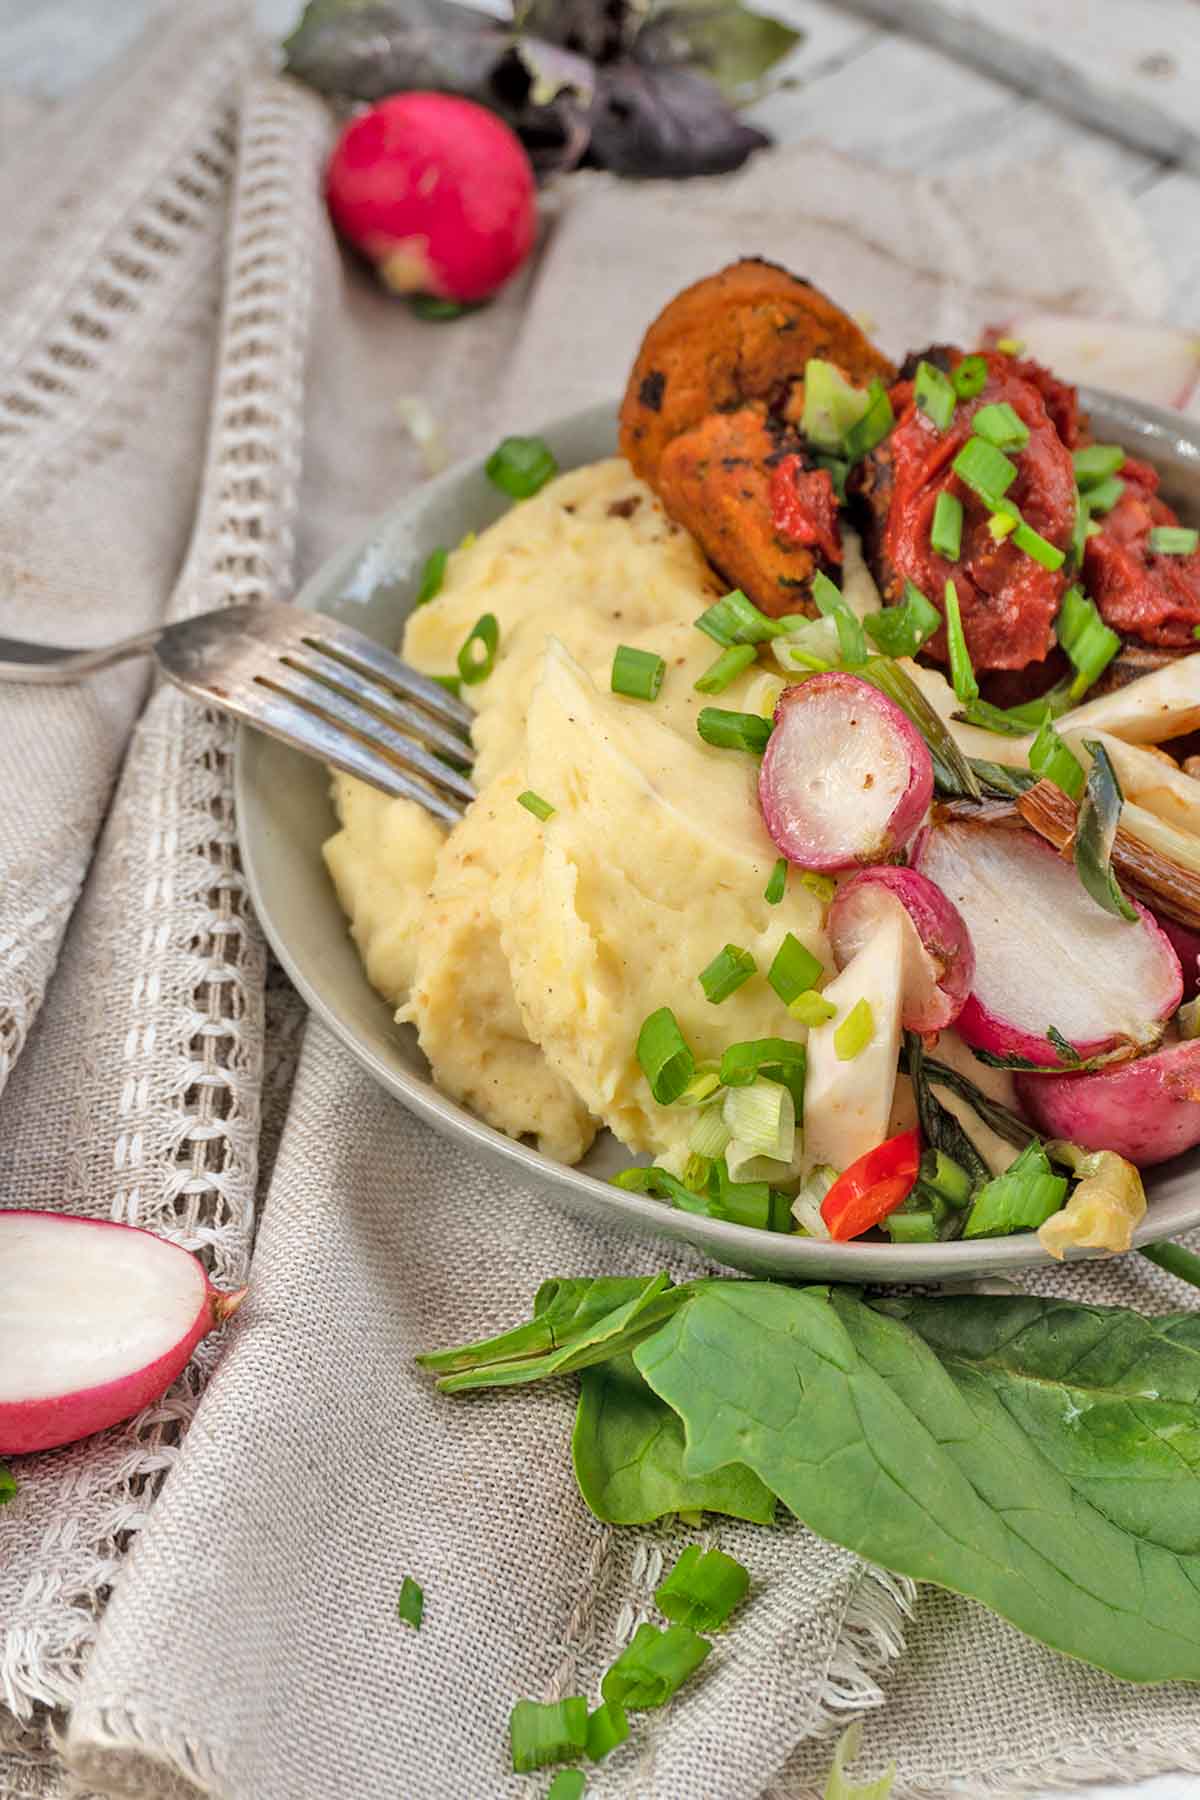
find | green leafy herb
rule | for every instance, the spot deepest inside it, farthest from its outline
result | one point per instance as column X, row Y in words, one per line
column 628, row 1449
column 703, row 1588
column 411, row 1605
column 839, row 1788
column 1095, row 830
column 901, row 630
column 653, row 1666
column 432, row 576
column 547, row 1734
column 519, row 466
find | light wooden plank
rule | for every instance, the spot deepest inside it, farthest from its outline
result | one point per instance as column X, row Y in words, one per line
column 1130, row 67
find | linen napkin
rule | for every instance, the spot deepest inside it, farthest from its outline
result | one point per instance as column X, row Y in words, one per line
column 249, row 1646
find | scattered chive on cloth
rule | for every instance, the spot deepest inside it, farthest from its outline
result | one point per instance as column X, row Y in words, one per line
column 199, row 399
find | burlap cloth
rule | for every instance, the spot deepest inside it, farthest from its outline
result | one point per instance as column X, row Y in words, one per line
column 198, row 400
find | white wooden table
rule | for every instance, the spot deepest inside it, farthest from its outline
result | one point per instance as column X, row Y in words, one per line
column 883, row 95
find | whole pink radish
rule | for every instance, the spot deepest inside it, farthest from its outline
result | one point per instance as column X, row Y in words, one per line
column 1049, row 963
column 846, row 777
column 437, row 192
column 939, row 962
column 1146, row 1110
column 96, row 1320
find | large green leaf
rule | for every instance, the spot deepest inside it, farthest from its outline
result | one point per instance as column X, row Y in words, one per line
column 628, row 1449
column 1011, row 1450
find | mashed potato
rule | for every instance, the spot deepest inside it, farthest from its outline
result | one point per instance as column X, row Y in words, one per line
column 527, row 953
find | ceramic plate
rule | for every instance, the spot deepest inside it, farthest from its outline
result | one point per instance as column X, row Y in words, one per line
column 285, row 815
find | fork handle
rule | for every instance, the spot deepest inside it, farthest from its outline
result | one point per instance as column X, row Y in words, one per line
column 48, row 664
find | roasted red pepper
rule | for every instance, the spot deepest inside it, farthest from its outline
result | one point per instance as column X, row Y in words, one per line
column 804, row 508
column 871, row 1188
column 1154, row 598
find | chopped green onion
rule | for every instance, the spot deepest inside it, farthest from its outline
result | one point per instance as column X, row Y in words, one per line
column 728, row 666
column 410, row 1607
column 945, row 534
column 832, row 604
column 1040, row 548
column 855, row 1032
column 934, row 394
column 920, row 1225
column 519, row 466
column 970, row 377
column 638, row 674
column 8, row 1485
column 541, row 809
column 808, row 644
column 992, row 718
column 1050, row 758
column 662, row 1185
column 1095, row 829
column 606, row 1728
column 451, row 683
column 1187, row 1019
column 1010, row 346
column 703, row 1588
column 1001, row 781
column 823, row 886
column 984, row 469
column 831, row 404
column 1019, row 1200
column 653, row 1666
column 794, row 969
column 733, row 619
column 962, row 675
column 701, row 1088
column 432, row 576
column 774, row 891
column 901, row 630
column 1095, row 463
column 726, row 972
column 1003, row 522
column 877, row 420
column 1173, row 540
column 547, row 1734
column 1104, row 496
column 1079, row 531
column 664, row 1056
column 1088, row 642
column 733, row 730
column 710, row 1134
column 741, row 1063
column 752, row 1203
column 812, row 1009
column 1001, row 425
column 946, row 1177
column 762, row 1118
column 568, row 1784
column 838, row 469
column 486, row 633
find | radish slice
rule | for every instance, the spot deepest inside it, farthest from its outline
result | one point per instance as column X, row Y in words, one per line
column 938, row 961
column 1147, row 1110
column 1159, row 364
column 1186, row 944
column 1047, row 958
column 846, row 776
column 96, row 1320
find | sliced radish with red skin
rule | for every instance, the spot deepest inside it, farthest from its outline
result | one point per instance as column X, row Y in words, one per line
column 1047, row 958
column 96, row 1321
column 438, row 192
column 1186, row 943
column 939, row 962
column 846, row 777
column 1146, row 1110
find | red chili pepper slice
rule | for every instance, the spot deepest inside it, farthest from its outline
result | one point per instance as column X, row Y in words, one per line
column 872, row 1187
column 804, row 508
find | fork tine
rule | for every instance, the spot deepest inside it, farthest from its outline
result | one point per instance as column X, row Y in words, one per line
column 380, row 701
column 282, row 717
column 369, row 658
column 316, row 697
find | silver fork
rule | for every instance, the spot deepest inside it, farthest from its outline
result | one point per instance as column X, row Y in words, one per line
column 318, row 685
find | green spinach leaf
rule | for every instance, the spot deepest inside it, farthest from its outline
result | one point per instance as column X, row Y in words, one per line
column 981, row 1456
column 628, row 1450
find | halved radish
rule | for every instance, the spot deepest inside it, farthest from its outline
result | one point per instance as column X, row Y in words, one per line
column 846, row 776
column 1186, row 944
column 1048, row 960
column 96, row 1320
column 939, row 962
column 1146, row 1110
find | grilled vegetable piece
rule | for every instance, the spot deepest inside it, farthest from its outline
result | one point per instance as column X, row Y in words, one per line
column 1143, row 594
column 740, row 335
column 1146, row 1110
column 1008, row 599
column 716, row 481
column 939, row 961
